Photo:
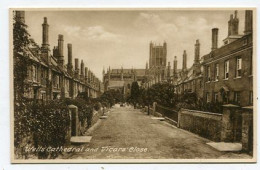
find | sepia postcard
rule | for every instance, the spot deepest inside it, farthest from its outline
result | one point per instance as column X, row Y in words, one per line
column 137, row 85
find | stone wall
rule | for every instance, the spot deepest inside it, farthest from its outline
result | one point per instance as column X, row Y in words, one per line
column 205, row 124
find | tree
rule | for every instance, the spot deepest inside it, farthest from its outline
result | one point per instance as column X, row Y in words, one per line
column 20, row 43
column 135, row 93
column 163, row 94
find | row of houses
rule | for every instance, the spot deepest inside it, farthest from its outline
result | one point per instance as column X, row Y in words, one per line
column 226, row 73
column 48, row 77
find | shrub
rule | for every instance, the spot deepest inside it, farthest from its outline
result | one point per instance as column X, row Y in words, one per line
column 48, row 124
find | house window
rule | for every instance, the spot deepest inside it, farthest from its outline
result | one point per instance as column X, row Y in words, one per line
column 216, row 72
column 251, row 98
column 238, row 67
column 216, row 97
column 208, row 73
column 237, row 97
column 200, row 84
column 226, row 69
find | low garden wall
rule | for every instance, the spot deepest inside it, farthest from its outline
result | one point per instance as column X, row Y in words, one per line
column 205, row 124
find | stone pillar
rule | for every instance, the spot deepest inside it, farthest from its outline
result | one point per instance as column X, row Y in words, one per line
column 179, row 118
column 231, row 127
column 74, row 120
column 247, row 129
column 154, row 107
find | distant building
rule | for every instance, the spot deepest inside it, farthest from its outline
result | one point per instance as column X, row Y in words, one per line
column 122, row 79
column 157, row 71
column 48, row 77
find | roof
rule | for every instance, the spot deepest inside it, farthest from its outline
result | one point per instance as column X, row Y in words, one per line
column 116, row 84
column 139, row 72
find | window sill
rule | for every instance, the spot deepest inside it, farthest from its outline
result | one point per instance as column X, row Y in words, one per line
column 237, row 78
column 225, row 79
column 208, row 81
column 250, row 76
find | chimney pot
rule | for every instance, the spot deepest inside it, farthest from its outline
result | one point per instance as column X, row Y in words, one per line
column 248, row 21
column 214, row 39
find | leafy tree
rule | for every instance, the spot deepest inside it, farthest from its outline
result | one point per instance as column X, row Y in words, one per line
column 135, row 93
column 20, row 43
column 163, row 94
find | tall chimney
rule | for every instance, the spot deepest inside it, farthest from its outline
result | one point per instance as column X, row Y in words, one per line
column 214, row 39
column 235, row 24
column 45, row 33
column 175, row 65
column 184, row 64
column 82, row 68
column 70, row 59
column 89, row 76
column 169, row 70
column 76, row 68
column 197, row 52
column 60, row 51
column 19, row 15
column 70, row 54
column 230, row 25
column 76, row 64
column 248, row 22
column 86, row 72
column 60, row 44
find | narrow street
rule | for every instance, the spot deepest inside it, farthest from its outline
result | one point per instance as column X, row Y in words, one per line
column 144, row 138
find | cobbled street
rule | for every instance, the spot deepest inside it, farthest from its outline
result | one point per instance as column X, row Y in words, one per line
column 141, row 137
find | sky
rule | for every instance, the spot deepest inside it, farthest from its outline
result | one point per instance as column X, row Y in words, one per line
column 116, row 38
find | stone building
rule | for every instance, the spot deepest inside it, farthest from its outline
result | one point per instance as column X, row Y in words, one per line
column 225, row 74
column 155, row 71
column 48, row 77
column 228, row 76
column 122, row 79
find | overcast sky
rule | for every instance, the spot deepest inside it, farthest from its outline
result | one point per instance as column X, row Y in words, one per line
column 121, row 38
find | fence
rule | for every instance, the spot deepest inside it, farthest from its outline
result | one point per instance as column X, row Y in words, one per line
column 167, row 112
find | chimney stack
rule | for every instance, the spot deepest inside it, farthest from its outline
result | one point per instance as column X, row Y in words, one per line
column 248, row 22
column 70, row 59
column 60, row 51
column 169, row 70
column 60, row 44
column 76, row 64
column 184, row 64
column 82, row 68
column 76, row 67
column 215, row 38
column 175, row 65
column 197, row 52
column 45, row 34
column 86, row 74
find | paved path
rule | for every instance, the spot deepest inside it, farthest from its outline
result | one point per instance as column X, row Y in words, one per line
column 134, row 132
